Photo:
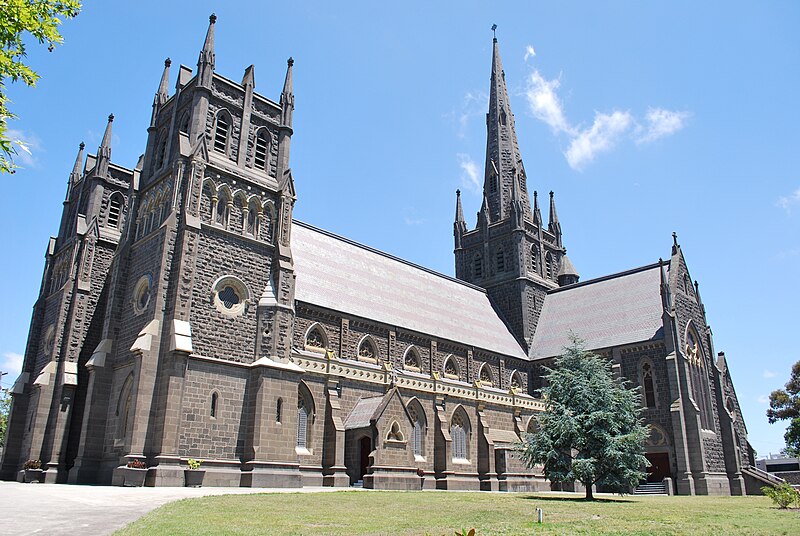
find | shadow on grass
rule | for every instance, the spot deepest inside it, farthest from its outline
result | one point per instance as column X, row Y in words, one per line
column 575, row 499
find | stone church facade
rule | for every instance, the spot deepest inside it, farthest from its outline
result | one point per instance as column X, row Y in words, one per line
column 183, row 313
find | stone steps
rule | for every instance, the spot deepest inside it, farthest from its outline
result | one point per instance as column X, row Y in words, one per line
column 651, row 488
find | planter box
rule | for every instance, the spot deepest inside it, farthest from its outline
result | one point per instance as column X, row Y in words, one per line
column 194, row 477
column 34, row 475
column 134, row 478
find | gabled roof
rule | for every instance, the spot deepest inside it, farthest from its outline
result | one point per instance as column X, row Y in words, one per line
column 617, row 309
column 362, row 413
column 338, row 274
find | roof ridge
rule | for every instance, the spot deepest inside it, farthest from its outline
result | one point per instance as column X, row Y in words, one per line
column 387, row 255
column 606, row 277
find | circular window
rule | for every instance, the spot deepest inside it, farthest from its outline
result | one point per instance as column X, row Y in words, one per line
column 230, row 295
column 141, row 294
column 49, row 335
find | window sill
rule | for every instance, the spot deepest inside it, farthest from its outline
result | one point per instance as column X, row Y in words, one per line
column 302, row 451
column 461, row 461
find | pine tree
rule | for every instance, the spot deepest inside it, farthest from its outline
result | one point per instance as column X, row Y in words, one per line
column 784, row 404
column 591, row 430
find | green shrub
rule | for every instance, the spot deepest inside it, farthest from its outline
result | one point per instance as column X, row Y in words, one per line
column 783, row 495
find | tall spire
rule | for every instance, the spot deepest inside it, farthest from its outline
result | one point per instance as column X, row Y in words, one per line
column 287, row 95
column 504, row 165
column 206, row 61
column 104, row 151
column 163, row 92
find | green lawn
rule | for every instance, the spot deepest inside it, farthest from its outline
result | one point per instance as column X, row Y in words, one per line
column 437, row 513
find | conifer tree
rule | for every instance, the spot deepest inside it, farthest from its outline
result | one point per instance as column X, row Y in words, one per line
column 591, row 430
column 784, row 404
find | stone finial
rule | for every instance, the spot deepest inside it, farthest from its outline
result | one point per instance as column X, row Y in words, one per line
column 212, row 18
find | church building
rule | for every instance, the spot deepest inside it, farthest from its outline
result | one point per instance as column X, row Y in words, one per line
column 183, row 313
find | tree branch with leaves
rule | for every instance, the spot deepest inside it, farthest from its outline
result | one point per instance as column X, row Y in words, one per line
column 784, row 404
column 591, row 430
column 19, row 19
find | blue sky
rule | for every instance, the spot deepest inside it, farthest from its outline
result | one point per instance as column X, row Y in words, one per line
column 644, row 117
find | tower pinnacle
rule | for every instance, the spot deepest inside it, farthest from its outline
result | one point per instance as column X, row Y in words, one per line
column 207, row 59
column 287, row 95
column 104, row 151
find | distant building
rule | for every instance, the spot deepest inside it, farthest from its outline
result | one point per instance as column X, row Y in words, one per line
column 183, row 313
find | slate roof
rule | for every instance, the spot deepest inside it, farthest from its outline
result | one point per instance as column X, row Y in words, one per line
column 362, row 412
column 342, row 275
column 613, row 310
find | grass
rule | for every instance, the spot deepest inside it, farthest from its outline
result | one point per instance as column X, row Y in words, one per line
column 437, row 513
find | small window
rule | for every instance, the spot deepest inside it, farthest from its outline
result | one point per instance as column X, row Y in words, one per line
column 501, row 260
column 162, row 151
column 493, row 184
column 418, row 432
column 221, row 133
column 279, row 411
column 223, row 208
column 535, row 258
column 230, row 296
column 450, row 369
column 304, row 417
column 185, row 124
column 253, row 218
column 366, row 350
column 114, row 211
column 262, row 146
column 315, row 338
column 516, row 382
column 411, row 359
column 214, row 399
column 477, row 267
column 486, row 375
column 395, row 434
column 141, row 294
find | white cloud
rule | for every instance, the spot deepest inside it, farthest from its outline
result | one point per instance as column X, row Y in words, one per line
column 544, row 103
column 12, row 364
column 763, row 399
column 411, row 217
column 585, row 143
column 769, row 374
column 661, row 123
column 601, row 137
column 786, row 202
column 474, row 104
column 469, row 173
column 26, row 145
column 529, row 52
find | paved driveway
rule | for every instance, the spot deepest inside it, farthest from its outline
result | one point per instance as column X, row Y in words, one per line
column 69, row 509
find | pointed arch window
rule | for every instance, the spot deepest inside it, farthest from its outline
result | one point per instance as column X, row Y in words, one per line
column 501, row 260
column 450, row 368
column 459, row 433
column 261, row 149
column 485, row 375
column 185, row 124
column 304, row 417
column 367, row 351
column 162, row 151
column 411, row 360
column 223, row 208
column 315, row 338
column 222, row 132
column 114, row 210
column 515, row 381
column 417, row 415
column 253, row 218
column 124, row 408
column 648, row 385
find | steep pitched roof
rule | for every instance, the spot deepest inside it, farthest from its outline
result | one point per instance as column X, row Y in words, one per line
column 618, row 309
column 338, row 274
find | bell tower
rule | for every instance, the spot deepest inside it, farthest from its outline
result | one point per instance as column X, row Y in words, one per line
column 510, row 252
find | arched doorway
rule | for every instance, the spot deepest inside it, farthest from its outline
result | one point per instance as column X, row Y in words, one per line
column 364, row 450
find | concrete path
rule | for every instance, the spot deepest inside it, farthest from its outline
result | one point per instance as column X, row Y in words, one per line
column 70, row 509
